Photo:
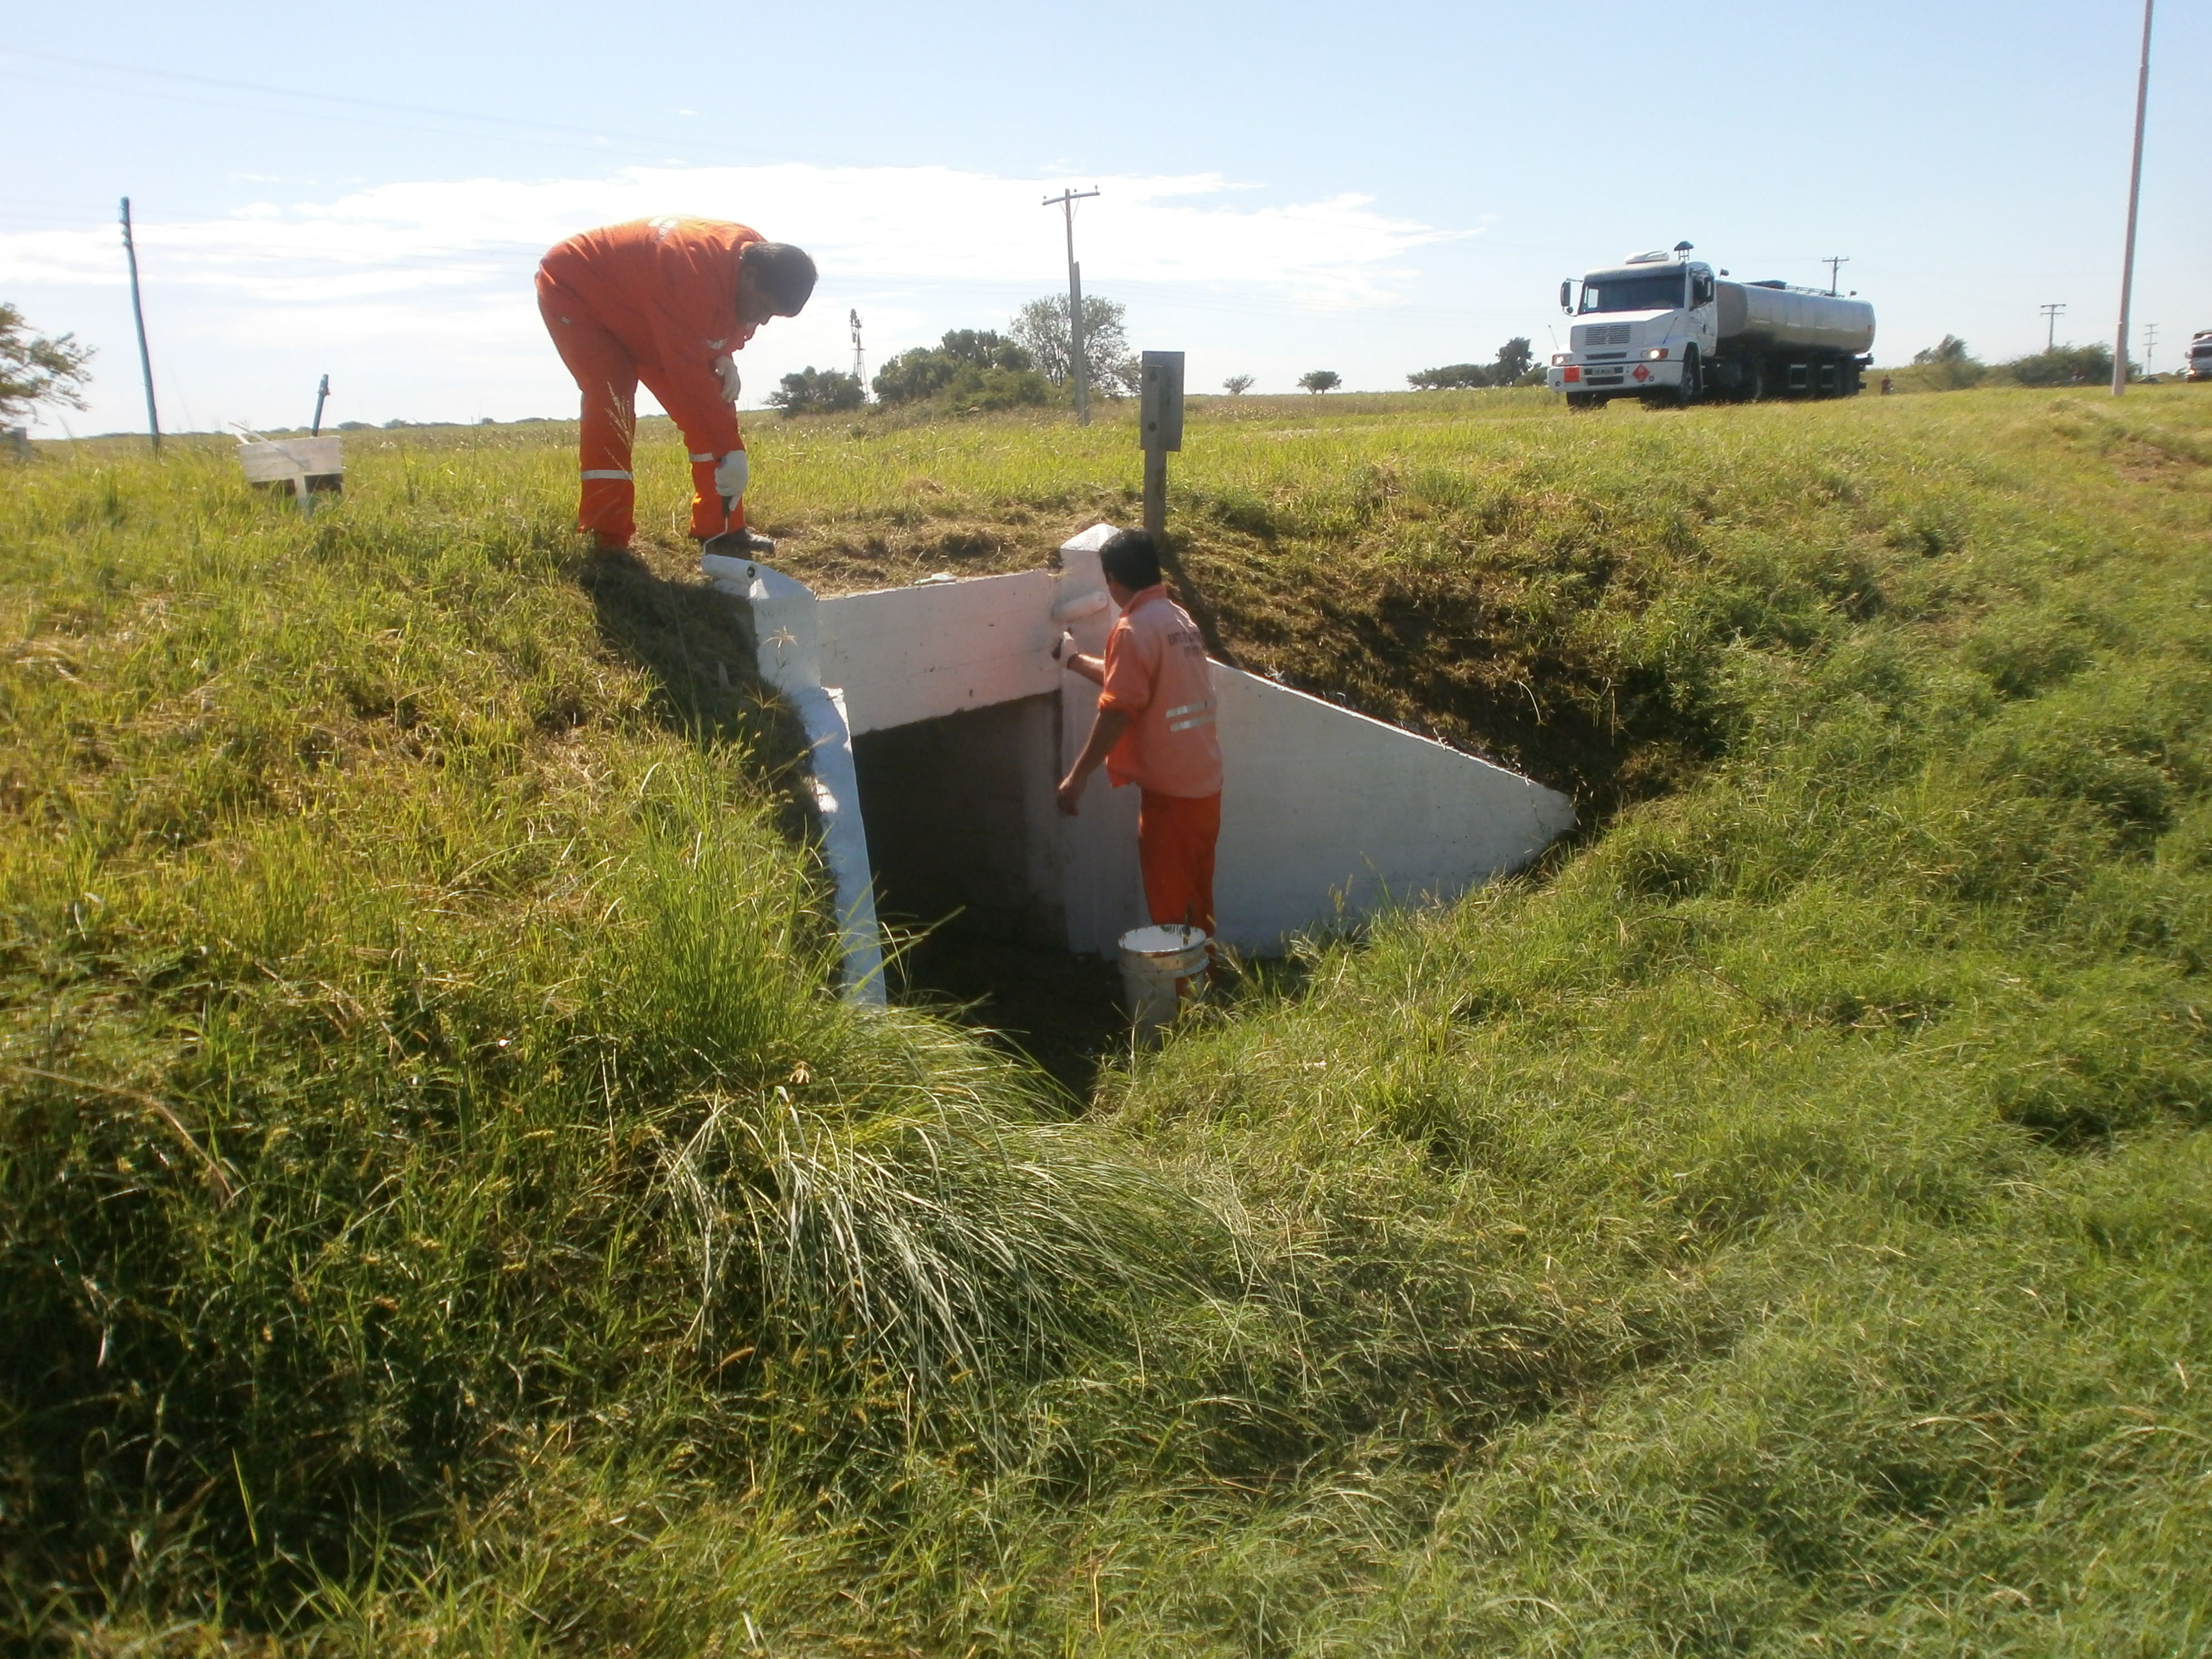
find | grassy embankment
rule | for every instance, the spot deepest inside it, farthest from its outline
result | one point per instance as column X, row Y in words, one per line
column 442, row 1212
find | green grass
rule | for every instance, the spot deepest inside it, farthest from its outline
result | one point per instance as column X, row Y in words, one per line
column 445, row 1212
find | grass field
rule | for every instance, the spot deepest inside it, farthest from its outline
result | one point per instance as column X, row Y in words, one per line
column 444, row 1212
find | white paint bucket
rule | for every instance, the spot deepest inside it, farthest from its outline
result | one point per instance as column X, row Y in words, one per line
column 1161, row 967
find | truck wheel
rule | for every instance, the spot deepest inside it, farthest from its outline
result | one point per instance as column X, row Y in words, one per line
column 1582, row 401
column 1754, row 380
column 1693, row 379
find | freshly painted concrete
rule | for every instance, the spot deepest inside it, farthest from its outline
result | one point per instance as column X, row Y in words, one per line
column 1320, row 805
column 1327, row 816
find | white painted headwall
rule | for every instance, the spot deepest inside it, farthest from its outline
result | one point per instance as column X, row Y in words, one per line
column 1326, row 816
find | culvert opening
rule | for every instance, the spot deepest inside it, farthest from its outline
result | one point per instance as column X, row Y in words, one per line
column 965, row 842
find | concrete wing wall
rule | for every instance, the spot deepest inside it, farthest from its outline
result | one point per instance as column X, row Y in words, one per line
column 1317, row 801
column 903, row 654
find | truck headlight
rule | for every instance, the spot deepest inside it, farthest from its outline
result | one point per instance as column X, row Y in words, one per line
column 1559, row 358
column 1657, row 354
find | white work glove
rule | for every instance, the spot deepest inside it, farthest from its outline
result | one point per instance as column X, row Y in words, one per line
column 726, row 371
column 730, row 475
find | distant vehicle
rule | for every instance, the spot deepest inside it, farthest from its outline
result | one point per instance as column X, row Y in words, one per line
column 2200, row 355
column 1665, row 328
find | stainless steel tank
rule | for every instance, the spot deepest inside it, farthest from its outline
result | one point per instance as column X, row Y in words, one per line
column 1794, row 319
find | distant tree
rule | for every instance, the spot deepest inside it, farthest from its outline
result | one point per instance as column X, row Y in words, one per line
column 970, row 368
column 1514, row 359
column 1318, row 380
column 928, row 371
column 1948, row 349
column 1238, row 384
column 2066, row 365
column 34, row 369
column 1452, row 377
column 1041, row 328
column 817, row 390
column 1948, row 366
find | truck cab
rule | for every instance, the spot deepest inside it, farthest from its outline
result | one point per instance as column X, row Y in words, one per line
column 2200, row 355
column 1647, row 328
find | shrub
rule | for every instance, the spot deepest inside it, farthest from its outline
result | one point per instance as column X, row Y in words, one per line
column 1452, row 377
column 1318, row 380
column 927, row 371
column 817, row 390
column 2066, row 365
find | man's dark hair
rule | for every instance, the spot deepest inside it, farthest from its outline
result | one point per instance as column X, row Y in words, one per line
column 784, row 274
column 1132, row 558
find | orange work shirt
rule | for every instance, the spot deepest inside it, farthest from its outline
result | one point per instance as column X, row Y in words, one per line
column 1156, row 673
column 667, row 288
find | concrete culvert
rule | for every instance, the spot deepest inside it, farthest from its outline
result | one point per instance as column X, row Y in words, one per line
column 939, row 722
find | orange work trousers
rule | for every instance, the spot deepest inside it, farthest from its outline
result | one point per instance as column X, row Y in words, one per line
column 607, row 374
column 1176, row 835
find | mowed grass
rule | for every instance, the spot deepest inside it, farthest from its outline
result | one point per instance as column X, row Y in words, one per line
column 446, row 1212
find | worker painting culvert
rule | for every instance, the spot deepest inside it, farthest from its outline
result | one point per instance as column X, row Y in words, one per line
column 667, row 302
column 1265, row 813
column 1155, row 727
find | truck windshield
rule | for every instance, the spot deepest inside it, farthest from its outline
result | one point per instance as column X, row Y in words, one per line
column 1661, row 291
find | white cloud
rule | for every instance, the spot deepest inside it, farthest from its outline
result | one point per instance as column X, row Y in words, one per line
column 386, row 277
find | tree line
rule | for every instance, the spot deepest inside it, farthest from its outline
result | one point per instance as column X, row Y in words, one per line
column 972, row 368
column 1950, row 366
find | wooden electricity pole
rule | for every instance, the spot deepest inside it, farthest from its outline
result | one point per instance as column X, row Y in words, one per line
column 1078, row 368
column 139, row 313
column 2135, row 194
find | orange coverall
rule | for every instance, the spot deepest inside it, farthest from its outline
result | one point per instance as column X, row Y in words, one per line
column 656, row 301
column 1156, row 671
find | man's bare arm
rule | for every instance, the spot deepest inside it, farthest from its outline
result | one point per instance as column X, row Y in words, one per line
column 1105, row 731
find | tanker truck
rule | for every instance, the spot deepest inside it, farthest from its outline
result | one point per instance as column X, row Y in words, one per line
column 1669, row 330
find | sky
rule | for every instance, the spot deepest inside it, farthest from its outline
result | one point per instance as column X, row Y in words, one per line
column 364, row 192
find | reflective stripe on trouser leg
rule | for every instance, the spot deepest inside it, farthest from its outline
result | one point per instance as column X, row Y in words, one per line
column 606, row 375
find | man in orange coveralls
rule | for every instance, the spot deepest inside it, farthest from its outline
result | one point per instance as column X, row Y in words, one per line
column 666, row 302
column 1155, row 729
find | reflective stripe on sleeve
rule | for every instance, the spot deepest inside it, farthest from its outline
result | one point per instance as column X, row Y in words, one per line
column 605, row 473
column 695, row 459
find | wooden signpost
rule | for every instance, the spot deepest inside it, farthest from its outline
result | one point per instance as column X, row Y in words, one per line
column 1159, row 428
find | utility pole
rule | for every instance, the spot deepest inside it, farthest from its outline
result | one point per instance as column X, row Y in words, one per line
column 2050, row 315
column 2150, row 344
column 322, row 397
column 1078, row 370
column 139, row 313
column 859, row 362
column 2135, row 194
column 1835, row 262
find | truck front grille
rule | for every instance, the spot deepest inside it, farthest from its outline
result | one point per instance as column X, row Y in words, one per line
column 1605, row 334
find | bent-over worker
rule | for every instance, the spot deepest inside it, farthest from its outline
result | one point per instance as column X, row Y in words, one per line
column 1155, row 729
column 666, row 302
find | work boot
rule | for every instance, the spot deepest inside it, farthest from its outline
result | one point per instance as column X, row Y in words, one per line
column 741, row 544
